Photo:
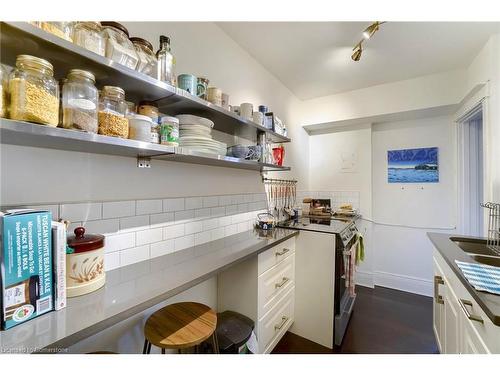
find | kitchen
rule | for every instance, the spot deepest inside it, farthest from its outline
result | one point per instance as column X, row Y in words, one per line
column 276, row 195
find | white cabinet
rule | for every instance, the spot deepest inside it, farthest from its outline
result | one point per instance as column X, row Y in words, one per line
column 460, row 325
column 262, row 288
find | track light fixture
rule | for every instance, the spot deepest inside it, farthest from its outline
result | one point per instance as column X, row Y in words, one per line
column 367, row 34
column 358, row 50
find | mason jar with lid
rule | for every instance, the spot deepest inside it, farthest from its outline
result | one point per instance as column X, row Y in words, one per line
column 147, row 58
column 34, row 93
column 3, row 92
column 112, row 110
column 89, row 36
column 80, row 101
column 61, row 29
column 119, row 48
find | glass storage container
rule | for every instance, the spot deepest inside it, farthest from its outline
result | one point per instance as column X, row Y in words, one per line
column 112, row 110
column 34, row 93
column 119, row 48
column 80, row 100
column 166, row 62
column 61, row 29
column 3, row 92
column 147, row 58
column 89, row 36
column 130, row 110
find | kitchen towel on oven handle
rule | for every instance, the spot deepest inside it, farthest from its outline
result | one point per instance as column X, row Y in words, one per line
column 349, row 264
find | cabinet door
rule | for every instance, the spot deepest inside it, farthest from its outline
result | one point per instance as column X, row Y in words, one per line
column 438, row 308
column 471, row 341
column 451, row 334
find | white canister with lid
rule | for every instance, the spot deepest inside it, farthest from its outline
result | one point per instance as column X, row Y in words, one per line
column 140, row 128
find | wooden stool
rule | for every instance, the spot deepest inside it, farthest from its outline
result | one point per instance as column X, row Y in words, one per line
column 179, row 326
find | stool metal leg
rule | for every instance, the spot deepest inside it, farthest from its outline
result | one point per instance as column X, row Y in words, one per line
column 149, row 348
column 162, row 350
column 145, row 348
column 215, row 344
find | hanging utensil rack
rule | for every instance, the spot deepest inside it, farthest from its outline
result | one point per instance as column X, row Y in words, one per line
column 493, row 241
column 281, row 196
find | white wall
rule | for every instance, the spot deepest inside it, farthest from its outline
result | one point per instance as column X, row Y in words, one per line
column 403, row 257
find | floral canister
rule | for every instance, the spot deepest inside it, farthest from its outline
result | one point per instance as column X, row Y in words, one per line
column 84, row 263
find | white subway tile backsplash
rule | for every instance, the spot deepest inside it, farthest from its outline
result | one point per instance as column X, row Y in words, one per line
column 161, row 248
column 164, row 219
column 202, row 213
column 242, row 227
column 183, row 216
column 183, row 242
column 134, row 223
column 217, row 233
column 102, row 226
column 201, row 238
column 193, row 227
column 173, row 204
column 217, row 211
column 231, row 229
column 149, row 206
column 53, row 208
column 118, row 242
column 210, row 224
column 111, row 261
column 144, row 237
column 173, row 231
column 210, row 201
column 193, row 203
column 118, row 209
column 243, row 207
column 225, row 200
column 134, row 255
column 81, row 211
column 233, row 209
column 248, row 198
column 224, row 220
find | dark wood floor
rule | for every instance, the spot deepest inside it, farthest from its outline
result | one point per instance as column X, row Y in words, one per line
column 384, row 321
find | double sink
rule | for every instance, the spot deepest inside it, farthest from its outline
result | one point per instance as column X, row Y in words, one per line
column 478, row 250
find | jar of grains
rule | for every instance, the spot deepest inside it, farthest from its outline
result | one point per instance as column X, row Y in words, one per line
column 80, row 101
column 3, row 92
column 151, row 110
column 89, row 36
column 61, row 29
column 119, row 48
column 34, row 93
column 147, row 58
column 112, row 110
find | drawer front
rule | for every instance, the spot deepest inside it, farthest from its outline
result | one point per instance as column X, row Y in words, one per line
column 274, row 325
column 275, row 283
column 276, row 254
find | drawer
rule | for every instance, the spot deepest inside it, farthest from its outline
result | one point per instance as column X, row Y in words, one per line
column 275, row 283
column 274, row 325
column 276, row 254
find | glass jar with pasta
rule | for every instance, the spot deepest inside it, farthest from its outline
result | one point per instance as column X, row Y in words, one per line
column 112, row 111
column 60, row 29
column 34, row 93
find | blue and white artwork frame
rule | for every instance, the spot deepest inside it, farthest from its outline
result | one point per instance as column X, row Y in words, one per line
column 413, row 165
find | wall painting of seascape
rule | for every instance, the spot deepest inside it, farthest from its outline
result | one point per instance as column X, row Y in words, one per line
column 413, row 165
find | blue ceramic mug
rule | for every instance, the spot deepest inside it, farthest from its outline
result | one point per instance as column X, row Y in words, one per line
column 188, row 82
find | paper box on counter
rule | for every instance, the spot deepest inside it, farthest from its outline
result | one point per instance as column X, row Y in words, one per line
column 26, row 265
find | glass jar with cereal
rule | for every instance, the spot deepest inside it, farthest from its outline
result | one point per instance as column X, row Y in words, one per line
column 112, row 110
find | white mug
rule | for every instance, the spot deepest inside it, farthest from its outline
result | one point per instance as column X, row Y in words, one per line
column 246, row 110
column 258, row 117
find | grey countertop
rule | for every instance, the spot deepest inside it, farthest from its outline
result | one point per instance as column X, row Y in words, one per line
column 328, row 225
column 490, row 303
column 134, row 288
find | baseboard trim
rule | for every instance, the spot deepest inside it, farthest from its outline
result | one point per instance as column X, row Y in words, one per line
column 401, row 282
column 364, row 278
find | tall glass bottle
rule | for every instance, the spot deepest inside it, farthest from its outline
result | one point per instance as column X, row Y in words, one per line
column 165, row 58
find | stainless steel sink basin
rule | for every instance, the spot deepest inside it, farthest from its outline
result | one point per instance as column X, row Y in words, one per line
column 491, row 261
column 473, row 246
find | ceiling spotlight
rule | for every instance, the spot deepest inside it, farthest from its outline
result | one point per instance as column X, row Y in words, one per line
column 372, row 29
column 358, row 50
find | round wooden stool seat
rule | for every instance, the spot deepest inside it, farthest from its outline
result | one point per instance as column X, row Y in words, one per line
column 180, row 325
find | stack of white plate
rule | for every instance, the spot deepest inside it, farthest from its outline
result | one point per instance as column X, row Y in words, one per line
column 195, row 134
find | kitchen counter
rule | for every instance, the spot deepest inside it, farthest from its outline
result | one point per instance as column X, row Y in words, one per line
column 134, row 288
column 490, row 303
column 332, row 225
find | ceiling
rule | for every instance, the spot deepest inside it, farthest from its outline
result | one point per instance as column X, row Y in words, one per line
column 313, row 59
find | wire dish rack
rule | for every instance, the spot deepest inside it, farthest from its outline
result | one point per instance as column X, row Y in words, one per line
column 493, row 241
